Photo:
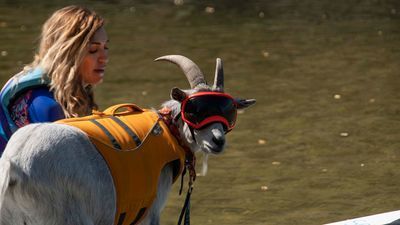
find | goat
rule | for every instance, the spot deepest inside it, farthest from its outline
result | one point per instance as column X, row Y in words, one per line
column 52, row 174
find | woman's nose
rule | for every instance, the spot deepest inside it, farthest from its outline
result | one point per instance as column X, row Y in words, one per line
column 103, row 57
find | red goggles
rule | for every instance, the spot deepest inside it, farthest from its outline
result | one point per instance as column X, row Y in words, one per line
column 203, row 108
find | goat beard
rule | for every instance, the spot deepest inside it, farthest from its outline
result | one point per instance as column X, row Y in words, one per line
column 204, row 167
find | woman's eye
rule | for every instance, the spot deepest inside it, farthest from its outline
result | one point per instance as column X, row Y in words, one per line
column 95, row 49
column 92, row 50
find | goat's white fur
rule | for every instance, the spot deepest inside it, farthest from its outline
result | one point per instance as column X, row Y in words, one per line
column 204, row 167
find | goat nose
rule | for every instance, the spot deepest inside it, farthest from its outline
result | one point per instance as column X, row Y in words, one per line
column 219, row 141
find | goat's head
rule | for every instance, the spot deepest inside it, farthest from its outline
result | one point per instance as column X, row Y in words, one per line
column 203, row 114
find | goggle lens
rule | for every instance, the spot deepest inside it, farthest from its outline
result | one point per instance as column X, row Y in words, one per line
column 203, row 109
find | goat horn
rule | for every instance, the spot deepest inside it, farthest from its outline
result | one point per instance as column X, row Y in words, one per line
column 219, row 76
column 189, row 68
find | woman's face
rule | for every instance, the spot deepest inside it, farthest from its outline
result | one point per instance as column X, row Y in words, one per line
column 95, row 61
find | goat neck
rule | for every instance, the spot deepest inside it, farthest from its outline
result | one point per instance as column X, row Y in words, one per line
column 170, row 121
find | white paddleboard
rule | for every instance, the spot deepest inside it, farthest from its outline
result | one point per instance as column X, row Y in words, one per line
column 377, row 219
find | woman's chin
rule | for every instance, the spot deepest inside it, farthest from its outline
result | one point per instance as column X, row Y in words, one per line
column 96, row 79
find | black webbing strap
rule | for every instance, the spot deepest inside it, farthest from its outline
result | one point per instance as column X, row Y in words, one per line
column 139, row 216
column 109, row 135
column 186, row 208
column 128, row 130
column 121, row 218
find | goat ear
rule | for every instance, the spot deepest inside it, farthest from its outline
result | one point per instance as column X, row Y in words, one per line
column 177, row 94
column 244, row 103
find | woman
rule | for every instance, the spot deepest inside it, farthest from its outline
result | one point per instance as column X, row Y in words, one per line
column 71, row 59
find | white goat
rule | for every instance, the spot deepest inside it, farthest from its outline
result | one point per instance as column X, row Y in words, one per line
column 51, row 174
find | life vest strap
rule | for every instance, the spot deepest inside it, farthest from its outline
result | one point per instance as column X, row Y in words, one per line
column 109, row 135
column 139, row 215
column 131, row 133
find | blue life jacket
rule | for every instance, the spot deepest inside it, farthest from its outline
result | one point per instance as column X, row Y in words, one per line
column 12, row 90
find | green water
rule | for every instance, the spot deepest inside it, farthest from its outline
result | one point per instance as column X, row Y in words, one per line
column 300, row 155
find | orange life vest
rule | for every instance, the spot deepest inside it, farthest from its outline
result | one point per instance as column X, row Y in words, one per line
column 136, row 144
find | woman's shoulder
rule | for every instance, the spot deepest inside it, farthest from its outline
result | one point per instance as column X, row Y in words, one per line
column 43, row 107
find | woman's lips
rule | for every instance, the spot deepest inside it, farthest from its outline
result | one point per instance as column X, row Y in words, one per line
column 99, row 71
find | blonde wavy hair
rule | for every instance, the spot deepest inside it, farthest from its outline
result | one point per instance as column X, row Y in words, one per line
column 63, row 44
